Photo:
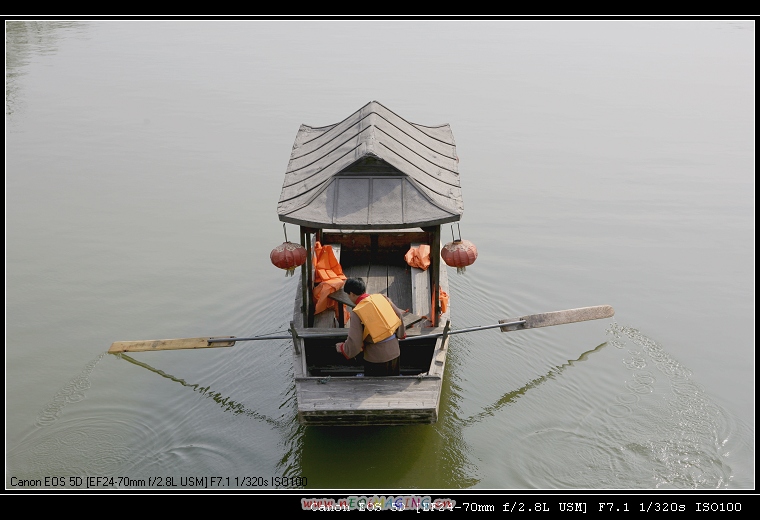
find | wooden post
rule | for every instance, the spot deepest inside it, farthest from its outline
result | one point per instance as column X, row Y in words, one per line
column 445, row 334
column 295, row 337
column 341, row 315
column 309, row 277
column 435, row 264
column 305, row 278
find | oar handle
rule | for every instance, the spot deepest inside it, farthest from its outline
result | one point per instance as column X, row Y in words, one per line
column 511, row 323
column 462, row 331
column 233, row 338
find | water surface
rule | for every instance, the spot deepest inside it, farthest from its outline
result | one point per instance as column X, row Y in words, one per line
column 602, row 162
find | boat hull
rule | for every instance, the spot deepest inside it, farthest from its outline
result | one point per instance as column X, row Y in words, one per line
column 372, row 401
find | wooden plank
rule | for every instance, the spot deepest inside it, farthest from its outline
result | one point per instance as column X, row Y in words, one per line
column 357, row 271
column 410, row 319
column 400, row 286
column 342, row 297
column 299, row 359
column 336, row 250
column 438, row 364
column 435, row 275
column 392, row 281
column 341, row 394
column 423, row 331
column 166, row 344
column 304, row 282
column 382, row 280
column 369, row 418
column 321, row 371
column 443, row 276
column 388, row 239
column 421, row 297
column 325, row 319
column 377, row 279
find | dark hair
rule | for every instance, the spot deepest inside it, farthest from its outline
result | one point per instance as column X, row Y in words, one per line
column 355, row 285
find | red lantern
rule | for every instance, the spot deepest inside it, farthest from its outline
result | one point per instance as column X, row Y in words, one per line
column 459, row 253
column 288, row 256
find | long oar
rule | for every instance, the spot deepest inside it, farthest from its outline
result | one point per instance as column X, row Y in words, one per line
column 532, row 321
column 225, row 341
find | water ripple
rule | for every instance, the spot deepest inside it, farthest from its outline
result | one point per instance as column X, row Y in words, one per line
column 79, row 446
column 72, row 392
column 658, row 430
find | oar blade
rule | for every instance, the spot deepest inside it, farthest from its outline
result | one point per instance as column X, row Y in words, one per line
column 168, row 344
column 547, row 319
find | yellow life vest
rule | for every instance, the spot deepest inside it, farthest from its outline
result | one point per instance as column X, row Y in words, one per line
column 376, row 313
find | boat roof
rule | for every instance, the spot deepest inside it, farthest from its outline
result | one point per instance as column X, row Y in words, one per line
column 373, row 170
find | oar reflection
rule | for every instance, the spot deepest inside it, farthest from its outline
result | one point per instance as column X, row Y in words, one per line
column 513, row 396
column 226, row 403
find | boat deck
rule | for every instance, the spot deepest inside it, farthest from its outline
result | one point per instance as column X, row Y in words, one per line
column 387, row 400
column 391, row 280
column 408, row 287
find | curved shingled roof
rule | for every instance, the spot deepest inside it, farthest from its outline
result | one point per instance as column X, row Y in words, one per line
column 373, row 170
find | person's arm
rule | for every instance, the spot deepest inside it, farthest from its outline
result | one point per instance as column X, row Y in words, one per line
column 354, row 342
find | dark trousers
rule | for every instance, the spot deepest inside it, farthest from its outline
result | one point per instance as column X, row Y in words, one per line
column 389, row 368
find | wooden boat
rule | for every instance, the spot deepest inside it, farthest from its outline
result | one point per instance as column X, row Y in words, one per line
column 372, row 187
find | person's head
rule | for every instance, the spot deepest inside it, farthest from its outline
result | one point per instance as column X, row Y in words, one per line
column 354, row 286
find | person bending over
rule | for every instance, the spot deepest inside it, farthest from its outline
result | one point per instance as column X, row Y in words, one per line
column 374, row 326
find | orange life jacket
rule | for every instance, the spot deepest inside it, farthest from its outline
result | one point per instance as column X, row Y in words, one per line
column 443, row 299
column 326, row 266
column 377, row 315
column 328, row 273
column 418, row 256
